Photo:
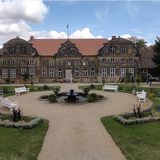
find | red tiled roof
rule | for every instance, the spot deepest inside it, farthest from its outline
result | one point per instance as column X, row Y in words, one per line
column 49, row 47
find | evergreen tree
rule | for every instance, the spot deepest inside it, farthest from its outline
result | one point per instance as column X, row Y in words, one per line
column 156, row 58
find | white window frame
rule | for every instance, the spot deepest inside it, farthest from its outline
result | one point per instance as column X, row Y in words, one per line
column 51, row 72
column 112, row 72
column 51, row 63
column 131, row 70
column 112, row 60
column 44, row 72
column 31, row 61
column 76, row 72
column 85, row 72
column 104, row 72
column 12, row 72
column 92, row 72
column 4, row 72
column 31, row 72
column 123, row 72
column 60, row 73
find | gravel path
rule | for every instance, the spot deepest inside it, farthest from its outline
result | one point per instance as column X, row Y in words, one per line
column 75, row 131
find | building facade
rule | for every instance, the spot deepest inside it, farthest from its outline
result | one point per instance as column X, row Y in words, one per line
column 66, row 60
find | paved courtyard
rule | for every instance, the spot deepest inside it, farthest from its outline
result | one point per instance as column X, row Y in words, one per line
column 75, row 131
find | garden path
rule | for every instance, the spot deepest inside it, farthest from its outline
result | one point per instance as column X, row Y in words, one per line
column 75, row 131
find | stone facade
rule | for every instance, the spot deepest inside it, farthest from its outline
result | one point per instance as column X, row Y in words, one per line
column 112, row 61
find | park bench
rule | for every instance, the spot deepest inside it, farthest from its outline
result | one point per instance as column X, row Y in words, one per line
column 141, row 96
column 8, row 103
column 110, row 87
column 20, row 90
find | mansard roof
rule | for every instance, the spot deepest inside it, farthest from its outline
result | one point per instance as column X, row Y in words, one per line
column 49, row 47
column 68, row 49
column 17, row 40
column 119, row 41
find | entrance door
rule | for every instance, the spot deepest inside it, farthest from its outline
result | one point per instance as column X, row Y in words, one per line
column 68, row 76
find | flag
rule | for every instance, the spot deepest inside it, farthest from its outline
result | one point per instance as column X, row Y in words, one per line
column 67, row 26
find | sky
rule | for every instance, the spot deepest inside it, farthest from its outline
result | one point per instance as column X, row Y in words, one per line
column 85, row 19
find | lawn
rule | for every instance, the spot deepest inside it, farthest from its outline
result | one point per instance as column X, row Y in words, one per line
column 22, row 144
column 137, row 142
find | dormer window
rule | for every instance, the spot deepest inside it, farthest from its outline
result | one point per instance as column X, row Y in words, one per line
column 123, row 49
column 113, row 49
column 13, row 50
column 23, row 50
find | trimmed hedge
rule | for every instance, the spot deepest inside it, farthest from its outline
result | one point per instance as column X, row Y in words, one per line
column 25, row 125
column 124, row 121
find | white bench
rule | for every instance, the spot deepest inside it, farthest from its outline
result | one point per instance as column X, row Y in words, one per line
column 110, row 87
column 141, row 96
column 21, row 90
column 8, row 103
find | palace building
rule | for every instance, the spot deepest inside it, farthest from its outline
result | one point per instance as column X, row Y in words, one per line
column 66, row 60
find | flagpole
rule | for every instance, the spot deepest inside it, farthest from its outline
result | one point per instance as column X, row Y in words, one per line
column 68, row 31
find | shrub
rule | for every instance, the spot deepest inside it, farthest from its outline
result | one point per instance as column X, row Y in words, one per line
column 56, row 90
column 92, row 86
column 52, row 98
column 92, row 97
column 45, row 86
column 86, row 90
column 157, row 93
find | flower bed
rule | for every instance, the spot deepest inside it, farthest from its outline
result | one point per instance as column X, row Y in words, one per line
column 21, row 124
column 125, row 121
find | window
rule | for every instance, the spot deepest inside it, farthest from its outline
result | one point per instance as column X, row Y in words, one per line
column 51, row 72
column 44, row 72
column 12, row 62
column 44, row 63
column 123, row 49
column 112, row 49
column 112, row 72
column 92, row 63
column 104, row 72
column 4, row 73
column 31, row 72
column 123, row 60
column 130, row 60
column 85, row 63
column 51, row 63
column 76, row 63
column 5, row 62
column 60, row 73
column 123, row 72
column 23, row 71
column 131, row 70
column 68, row 63
column 23, row 50
column 104, row 60
column 85, row 72
column 23, row 61
column 92, row 72
column 112, row 60
column 13, row 50
column 31, row 61
column 76, row 72
column 12, row 73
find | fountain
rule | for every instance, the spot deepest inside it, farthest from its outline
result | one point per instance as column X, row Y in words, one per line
column 71, row 97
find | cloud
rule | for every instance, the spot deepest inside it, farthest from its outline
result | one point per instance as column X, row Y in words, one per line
column 31, row 10
column 84, row 33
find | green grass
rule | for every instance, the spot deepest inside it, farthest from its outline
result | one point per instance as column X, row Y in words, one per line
column 137, row 142
column 22, row 144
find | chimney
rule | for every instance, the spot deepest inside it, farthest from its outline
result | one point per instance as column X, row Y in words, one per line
column 113, row 37
column 31, row 38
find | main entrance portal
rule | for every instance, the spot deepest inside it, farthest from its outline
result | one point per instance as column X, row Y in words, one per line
column 68, row 76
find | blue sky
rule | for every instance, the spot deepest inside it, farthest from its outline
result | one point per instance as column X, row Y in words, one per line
column 86, row 19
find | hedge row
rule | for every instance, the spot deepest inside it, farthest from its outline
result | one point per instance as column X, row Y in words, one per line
column 124, row 121
column 25, row 125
